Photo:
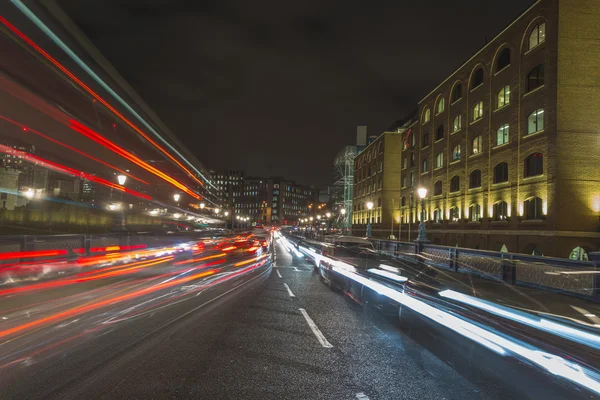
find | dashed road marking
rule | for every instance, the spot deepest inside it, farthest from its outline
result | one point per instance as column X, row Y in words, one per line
column 278, row 274
column 315, row 329
column 296, row 269
column 362, row 396
column 289, row 290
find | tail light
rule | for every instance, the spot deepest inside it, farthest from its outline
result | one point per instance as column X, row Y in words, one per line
column 263, row 243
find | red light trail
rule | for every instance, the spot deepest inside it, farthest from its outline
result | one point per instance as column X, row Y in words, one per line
column 32, row 254
column 95, row 95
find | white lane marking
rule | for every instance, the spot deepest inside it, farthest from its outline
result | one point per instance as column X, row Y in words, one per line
column 278, row 274
column 592, row 317
column 315, row 329
column 362, row 396
column 296, row 269
column 289, row 290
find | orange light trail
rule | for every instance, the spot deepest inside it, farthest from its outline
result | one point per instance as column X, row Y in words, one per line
column 96, row 96
column 90, row 134
column 193, row 260
column 90, row 307
column 250, row 261
column 28, row 129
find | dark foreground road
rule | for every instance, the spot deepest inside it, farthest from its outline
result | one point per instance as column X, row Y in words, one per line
column 271, row 333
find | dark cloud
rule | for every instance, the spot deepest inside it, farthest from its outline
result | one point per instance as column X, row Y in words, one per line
column 278, row 89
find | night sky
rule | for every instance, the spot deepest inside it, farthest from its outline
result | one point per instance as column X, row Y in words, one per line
column 277, row 88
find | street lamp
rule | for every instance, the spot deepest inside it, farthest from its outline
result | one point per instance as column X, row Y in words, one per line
column 369, row 207
column 343, row 212
column 328, row 215
column 202, row 205
column 217, row 210
column 176, row 197
column 226, row 213
column 422, row 229
column 121, row 179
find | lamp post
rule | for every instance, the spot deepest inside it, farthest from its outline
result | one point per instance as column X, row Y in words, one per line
column 122, row 179
column 369, row 207
column 343, row 212
column 422, row 229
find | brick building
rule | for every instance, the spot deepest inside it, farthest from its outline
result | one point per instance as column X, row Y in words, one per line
column 508, row 144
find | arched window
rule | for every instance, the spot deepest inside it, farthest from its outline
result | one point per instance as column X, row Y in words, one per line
column 441, row 105
column 475, row 212
column 537, row 35
column 477, row 78
column 456, row 123
column 380, row 147
column 426, row 115
column 535, row 78
column 475, row 179
column 533, row 208
column 439, row 160
column 425, row 167
column 578, row 253
column 534, row 165
column 455, row 184
column 503, row 59
column 503, row 98
column 535, row 121
column 457, row 92
column 477, row 145
column 437, row 188
column 501, row 172
column 454, row 214
column 500, row 211
column 502, row 135
column 439, row 133
column 478, row 111
column 437, row 216
column 456, row 153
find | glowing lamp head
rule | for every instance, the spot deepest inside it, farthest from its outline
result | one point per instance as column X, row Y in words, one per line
column 121, row 179
column 176, row 197
column 328, row 215
column 369, row 205
column 226, row 213
column 202, row 205
column 343, row 211
column 422, row 192
column 318, row 217
column 311, row 218
column 217, row 210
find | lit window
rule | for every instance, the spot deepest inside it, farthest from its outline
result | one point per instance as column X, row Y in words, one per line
column 455, row 184
column 535, row 78
column 502, row 135
column 500, row 211
column 533, row 208
column 439, row 160
column 425, row 166
column 457, row 92
column 437, row 188
column 534, row 165
column 454, row 214
column 537, row 36
column 503, row 60
column 475, row 212
column 501, row 172
column 456, row 153
column 475, row 179
column 535, row 121
column 412, row 179
column 503, row 98
column 477, row 145
column 477, row 78
column 457, row 123
column 426, row 116
column 441, row 105
column 478, row 111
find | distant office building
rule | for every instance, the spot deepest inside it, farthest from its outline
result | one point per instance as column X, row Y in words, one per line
column 9, row 179
column 87, row 191
column 228, row 183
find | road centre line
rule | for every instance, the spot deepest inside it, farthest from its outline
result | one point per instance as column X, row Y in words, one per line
column 278, row 274
column 289, row 290
column 315, row 329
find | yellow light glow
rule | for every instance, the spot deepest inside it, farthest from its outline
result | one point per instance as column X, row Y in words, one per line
column 521, row 209
column 467, row 212
column 545, row 207
column 596, row 203
column 491, row 211
column 509, row 209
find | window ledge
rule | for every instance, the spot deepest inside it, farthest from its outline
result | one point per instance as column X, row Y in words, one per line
column 500, row 70
column 438, row 140
column 500, row 145
column 437, row 196
column 455, row 162
column 438, row 168
column 476, row 155
column 456, row 131
column 534, row 90
column 477, row 87
column 529, row 178
column 533, row 221
column 534, row 47
column 426, row 122
column 426, row 147
column 474, row 189
column 455, row 101
column 501, row 184
column 424, row 172
column 455, row 192
column 533, row 134
column 476, row 121
column 438, row 113
column 502, row 108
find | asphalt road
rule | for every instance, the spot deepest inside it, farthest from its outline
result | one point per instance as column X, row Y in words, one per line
column 267, row 333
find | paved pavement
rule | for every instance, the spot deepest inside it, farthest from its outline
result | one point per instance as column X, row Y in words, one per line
column 272, row 333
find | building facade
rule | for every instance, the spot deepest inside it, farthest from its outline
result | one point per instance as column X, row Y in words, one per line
column 507, row 145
